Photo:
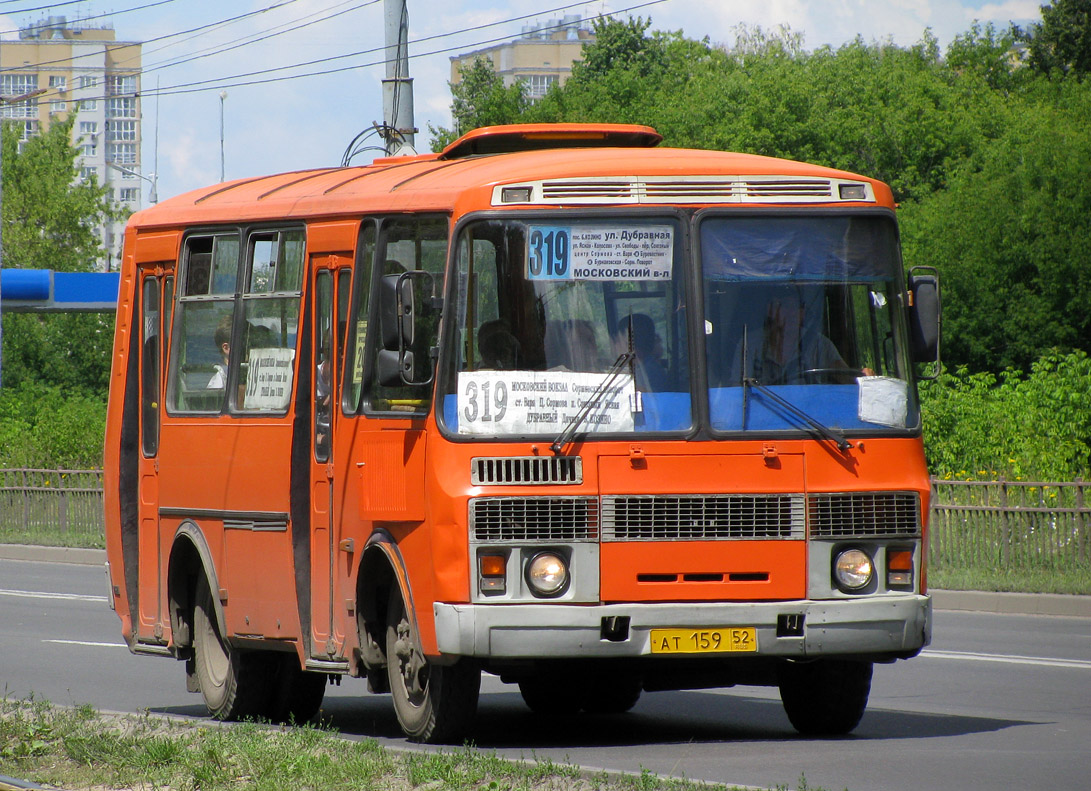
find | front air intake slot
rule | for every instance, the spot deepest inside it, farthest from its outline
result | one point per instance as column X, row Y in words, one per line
column 864, row 515
column 526, row 470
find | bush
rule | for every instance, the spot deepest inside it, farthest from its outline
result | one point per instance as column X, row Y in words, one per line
column 44, row 426
column 1037, row 426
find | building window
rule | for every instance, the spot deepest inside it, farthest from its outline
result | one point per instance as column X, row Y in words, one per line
column 118, row 84
column 121, row 108
column 121, row 153
column 538, row 84
column 59, row 84
column 29, row 129
column 86, row 174
column 121, row 130
column 87, row 81
column 57, row 105
column 127, row 195
column 17, row 85
column 89, row 149
column 88, row 128
column 88, row 104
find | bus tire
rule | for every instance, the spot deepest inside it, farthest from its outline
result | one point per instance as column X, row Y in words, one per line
column 435, row 704
column 826, row 697
column 232, row 682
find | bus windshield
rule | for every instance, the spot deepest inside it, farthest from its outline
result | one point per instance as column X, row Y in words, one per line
column 808, row 310
column 800, row 313
column 545, row 309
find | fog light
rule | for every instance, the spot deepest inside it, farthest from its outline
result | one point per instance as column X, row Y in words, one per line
column 547, row 574
column 852, row 569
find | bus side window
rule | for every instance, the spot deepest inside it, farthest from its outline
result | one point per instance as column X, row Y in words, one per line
column 355, row 345
column 411, row 243
column 201, row 345
column 270, row 325
column 150, row 367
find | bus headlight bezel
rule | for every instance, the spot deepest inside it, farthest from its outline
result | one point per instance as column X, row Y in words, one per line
column 547, row 574
column 853, row 570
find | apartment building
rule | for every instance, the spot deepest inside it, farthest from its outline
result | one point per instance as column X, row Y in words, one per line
column 81, row 69
column 542, row 55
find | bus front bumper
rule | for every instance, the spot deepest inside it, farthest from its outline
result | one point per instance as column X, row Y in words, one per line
column 887, row 626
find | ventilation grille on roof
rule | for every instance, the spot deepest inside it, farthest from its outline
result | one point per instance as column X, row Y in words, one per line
column 692, row 189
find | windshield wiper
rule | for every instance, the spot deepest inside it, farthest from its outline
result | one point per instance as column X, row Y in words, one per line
column 592, row 401
column 834, row 436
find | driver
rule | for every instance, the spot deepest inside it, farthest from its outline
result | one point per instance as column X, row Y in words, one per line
column 785, row 349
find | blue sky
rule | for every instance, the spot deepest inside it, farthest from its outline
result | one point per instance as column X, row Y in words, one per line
column 292, row 124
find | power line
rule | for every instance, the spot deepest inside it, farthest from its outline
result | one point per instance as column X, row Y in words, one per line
column 254, row 39
column 221, row 82
column 86, row 19
column 122, row 45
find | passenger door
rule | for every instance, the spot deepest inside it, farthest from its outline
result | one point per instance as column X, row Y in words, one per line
column 156, row 292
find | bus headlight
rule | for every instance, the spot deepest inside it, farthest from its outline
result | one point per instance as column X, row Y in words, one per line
column 853, row 570
column 547, row 574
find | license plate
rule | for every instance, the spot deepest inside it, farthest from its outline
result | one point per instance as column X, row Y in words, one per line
column 735, row 639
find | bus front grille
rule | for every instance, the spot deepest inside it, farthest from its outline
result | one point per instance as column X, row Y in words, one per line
column 538, row 519
column 703, row 517
column 864, row 514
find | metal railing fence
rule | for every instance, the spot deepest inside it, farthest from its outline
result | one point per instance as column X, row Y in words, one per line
column 990, row 524
column 1010, row 525
column 51, row 507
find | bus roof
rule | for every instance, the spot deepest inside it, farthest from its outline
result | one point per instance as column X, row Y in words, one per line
column 597, row 160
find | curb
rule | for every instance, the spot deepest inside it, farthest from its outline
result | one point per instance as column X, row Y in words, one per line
column 970, row 601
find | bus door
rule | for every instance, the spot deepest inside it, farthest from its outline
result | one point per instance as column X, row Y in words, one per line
column 156, row 292
column 330, row 291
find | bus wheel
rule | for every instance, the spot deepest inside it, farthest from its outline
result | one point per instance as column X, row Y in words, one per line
column 435, row 704
column 232, row 682
column 826, row 697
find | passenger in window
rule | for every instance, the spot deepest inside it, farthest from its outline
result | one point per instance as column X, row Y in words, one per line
column 498, row 347
column 222, row 339
column 637, row 332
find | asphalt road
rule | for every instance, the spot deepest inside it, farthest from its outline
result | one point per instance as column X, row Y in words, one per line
column 997, row 702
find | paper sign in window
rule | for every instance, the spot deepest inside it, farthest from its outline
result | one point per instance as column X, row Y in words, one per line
column 883, row 400
column 269, row 379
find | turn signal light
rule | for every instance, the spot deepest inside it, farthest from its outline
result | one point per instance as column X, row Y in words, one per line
column 493, row 570
column 899, row 568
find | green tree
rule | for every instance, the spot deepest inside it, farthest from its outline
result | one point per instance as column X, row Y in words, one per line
column 49, row 221
column 1062, row 40
column 480, row 99
column 1009, row 235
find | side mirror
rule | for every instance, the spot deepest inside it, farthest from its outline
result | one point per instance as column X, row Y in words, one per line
column 398, row 326
column 396, row 315
column 925, row 315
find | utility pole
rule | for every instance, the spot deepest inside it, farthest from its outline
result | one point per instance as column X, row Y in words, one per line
column 399, row 130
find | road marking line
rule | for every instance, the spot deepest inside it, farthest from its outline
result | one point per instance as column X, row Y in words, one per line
column 1011, row 659
column 86, row 642
column 48, row 595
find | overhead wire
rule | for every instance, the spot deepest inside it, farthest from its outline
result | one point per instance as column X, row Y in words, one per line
column 223, row 82
column 46, row 26
column 123, row 45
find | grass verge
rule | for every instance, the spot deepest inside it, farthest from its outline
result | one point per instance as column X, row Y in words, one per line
column 78, row 748
column 1075, row 581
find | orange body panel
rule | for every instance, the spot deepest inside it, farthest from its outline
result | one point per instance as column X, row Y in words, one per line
column 229, row 477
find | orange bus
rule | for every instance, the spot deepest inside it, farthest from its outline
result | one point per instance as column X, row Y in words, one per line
column 595, row 416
